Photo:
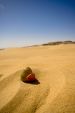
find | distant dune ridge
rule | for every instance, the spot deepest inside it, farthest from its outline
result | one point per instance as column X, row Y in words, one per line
column 54, row 68
column 54, row 43
column 59, row 42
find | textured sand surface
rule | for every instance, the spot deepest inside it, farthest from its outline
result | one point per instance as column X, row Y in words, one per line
column 54, row 67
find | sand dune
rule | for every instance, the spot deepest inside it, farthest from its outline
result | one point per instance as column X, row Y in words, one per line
column 54, row 68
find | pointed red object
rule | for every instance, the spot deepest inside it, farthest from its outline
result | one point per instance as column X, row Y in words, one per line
column 30, row 78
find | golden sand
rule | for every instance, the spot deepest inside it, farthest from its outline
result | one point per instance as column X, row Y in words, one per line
column 54, row 67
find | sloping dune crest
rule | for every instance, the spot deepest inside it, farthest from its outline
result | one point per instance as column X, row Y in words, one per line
column 53, row 67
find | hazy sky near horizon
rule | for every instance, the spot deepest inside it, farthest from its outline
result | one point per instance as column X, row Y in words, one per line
column 27, row 22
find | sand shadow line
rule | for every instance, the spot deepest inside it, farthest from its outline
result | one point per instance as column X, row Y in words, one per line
column 35, row 82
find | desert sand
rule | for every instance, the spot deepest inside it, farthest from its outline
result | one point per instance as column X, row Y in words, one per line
column 54, row 67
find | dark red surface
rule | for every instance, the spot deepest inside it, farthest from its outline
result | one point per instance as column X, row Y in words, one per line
column 30, row 78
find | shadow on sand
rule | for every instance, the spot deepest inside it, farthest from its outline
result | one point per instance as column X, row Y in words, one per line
column 35, row 82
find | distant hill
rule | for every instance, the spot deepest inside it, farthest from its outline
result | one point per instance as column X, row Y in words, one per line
column 59, row 42
column 1, row 49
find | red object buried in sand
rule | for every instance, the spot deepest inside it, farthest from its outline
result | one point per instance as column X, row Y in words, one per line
column 30, row 78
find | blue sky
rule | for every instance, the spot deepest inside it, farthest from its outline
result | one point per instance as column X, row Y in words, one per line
column 27, row 22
